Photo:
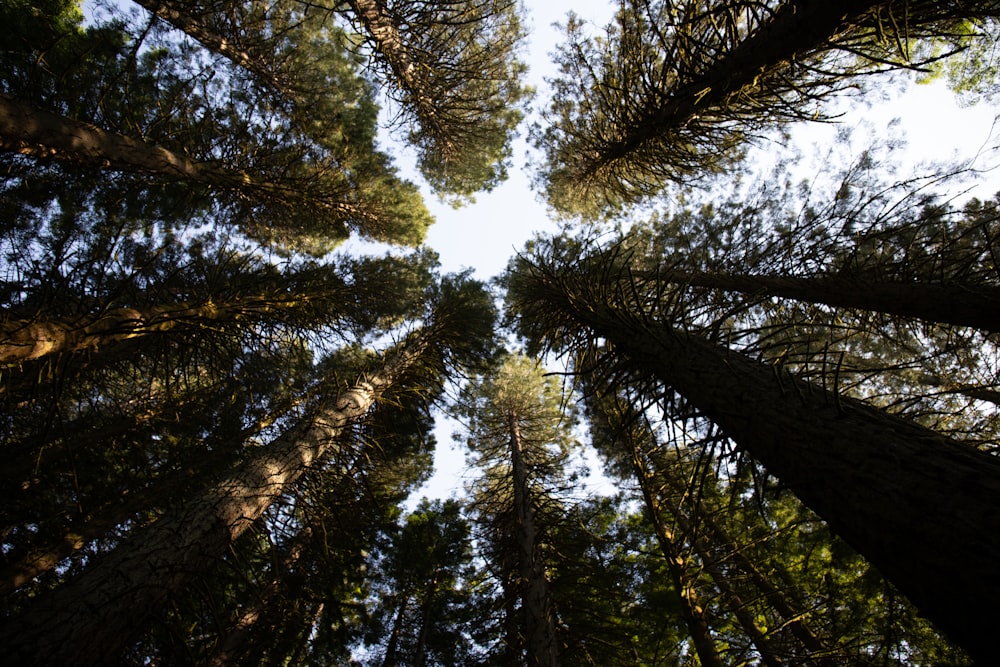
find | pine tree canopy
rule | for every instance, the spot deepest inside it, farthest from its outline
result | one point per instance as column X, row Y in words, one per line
column 736, row 401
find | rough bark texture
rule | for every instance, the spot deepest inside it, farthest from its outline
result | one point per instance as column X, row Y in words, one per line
column 391, row 47
column 539, row 631
column 975, row 306
column 921, row 507
column 88, row 620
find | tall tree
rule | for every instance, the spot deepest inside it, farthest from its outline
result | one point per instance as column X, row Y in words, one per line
column 520, row 436
column 453, row 69
column 127, row 585
column 421, row 612
column 868, row 474
column 677, row 86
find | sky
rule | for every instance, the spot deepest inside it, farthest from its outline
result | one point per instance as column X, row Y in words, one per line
column 484, row 236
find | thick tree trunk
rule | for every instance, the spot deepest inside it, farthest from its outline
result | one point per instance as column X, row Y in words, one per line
column 539, row 630
column 915, row 503
column 975, row 306
column 88, row 620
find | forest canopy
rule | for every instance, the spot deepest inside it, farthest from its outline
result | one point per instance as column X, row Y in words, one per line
column 229, row 356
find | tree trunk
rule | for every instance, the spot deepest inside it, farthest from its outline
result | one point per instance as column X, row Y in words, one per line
column 177, row 15
column 915, row 503
column 390, row 46
column 797, row 27
column 91, row 618
column 691, row 609
column 41, row 134
column 230, row 648
column 24, row 340
column 793, row 618
column 975, row 306
column 539, row 631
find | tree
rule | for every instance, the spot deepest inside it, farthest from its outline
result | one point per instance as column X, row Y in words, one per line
column 127, row 585
column 865, row 472
column 677, row 87
column 320, row 190
column 422, row 612
column 453, row 69
column 520, row 437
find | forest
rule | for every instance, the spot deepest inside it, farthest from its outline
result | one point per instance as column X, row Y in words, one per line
column 226, row 347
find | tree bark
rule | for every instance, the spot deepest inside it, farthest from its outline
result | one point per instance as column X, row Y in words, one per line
column 915, row 503
column 405, row 68
column 88, row 620
column 539, row 630
column 975, row 306
column 41, row 134
column 24, row 340
column 177, row 15
column 692, row 610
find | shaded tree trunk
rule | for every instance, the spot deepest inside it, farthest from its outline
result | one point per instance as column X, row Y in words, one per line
column 41, row 134
column 89, row 619
column 888, row 487
column 975, row 306
column 796, row 27
column 230, row 648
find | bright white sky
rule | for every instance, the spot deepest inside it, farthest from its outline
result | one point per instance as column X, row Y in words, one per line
column 485, row 235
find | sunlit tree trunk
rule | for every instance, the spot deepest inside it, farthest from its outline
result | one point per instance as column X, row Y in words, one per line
column 88, row 620
column 184, row 17
column 33, row 339
column 679, row 566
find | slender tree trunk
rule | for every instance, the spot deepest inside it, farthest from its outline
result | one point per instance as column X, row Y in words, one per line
column 230, row 648
column 915, row 503
column 44, row 556
column 41, row 134
column 88, row 620
column 691, row 609
column 420, row 657
column 793, row 618
column 539, row 629
column 389, row 659
column 975, row 306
